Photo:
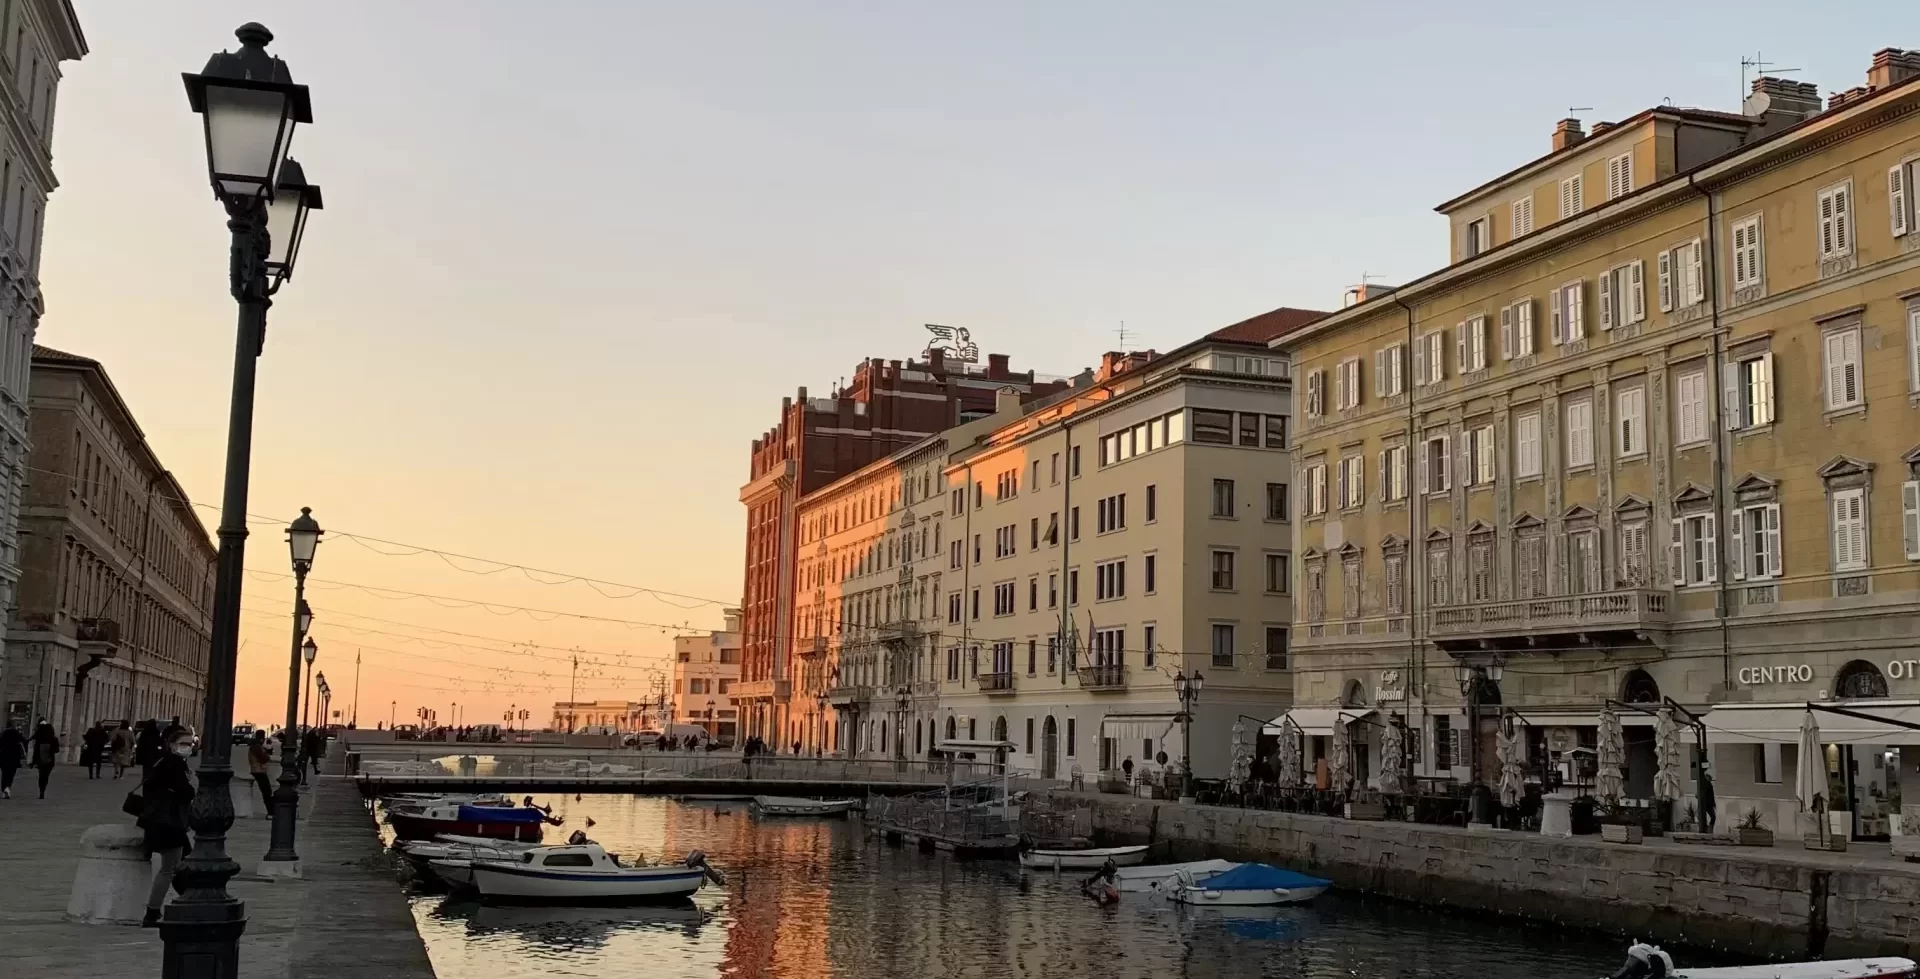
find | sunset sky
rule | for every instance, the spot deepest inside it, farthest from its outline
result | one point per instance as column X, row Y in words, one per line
column 574, row 254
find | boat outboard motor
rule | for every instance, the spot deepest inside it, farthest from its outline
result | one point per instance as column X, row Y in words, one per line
column 1645, row 962
column 698, row 860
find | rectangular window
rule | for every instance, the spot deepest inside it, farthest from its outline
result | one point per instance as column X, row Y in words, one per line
column 1836, row 221
column 1430, row 359
column 1316, row 394
column 1223, row 644
column 1521, row 223
column 1439, row 575
column 1276, row 647
column 1480, row 572
column 1277, row 501
column 1389, row 363
column 1352, row 491
column 1433, row 465
column 1073, row 586
column 1072, row 741
column 1755, row 535
column 1279, row 573
column 1249, row 429
column 1620, row 176
column 1109, row 580
column 1393, row 473
column 1910, row 518
column 1569, row 312
column 976, row 548
column 1579, row 433
column 1843, row 368
column 1746, row 253
column 1276, row 428
column 1470, row 345
column 1480, row 447
column 1526, row 445
column 953, row 607
column 1033, row 534
column 1583, row 562
column 1631, row 405
column 1073, row 524
column 1766, row 763
column 1850, row 530
column 1053, row 590
column 1442, row 742
column 1690, row 414
column 1053, row 653
column 1223, row 498
column 1053, row 469
column 976, row 603
column 1003, row 601
column 1623, row 300
column 1900, row 196
column 1152, row 504
column 1479, row 237
column 1516, row 330
column 1033, row 594
column 1692, row 551
column 954, row 553
column 1149, row 573
column 1073, row 462
column 1749, row 392
column 1212, row 427
column 1396, row 586
column 1149, row 652
column 1570, row 202
column 1222, row 571
column 1349, row 383
column 1913, row 342
column 1634, row 571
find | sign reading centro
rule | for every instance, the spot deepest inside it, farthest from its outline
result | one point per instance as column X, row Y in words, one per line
column 1802, row 673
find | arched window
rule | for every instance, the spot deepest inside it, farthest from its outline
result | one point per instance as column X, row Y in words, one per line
column 1859, row 679
column 950, row 729
column 1000, row 729
column 1353, row 694
column 1639, row 688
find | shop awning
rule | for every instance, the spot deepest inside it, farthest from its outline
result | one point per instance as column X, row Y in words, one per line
column 1780, row 723
column 1317, row 721
column 1580, row 718
column 1126, row 728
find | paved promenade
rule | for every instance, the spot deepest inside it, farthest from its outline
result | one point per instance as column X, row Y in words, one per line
column 348, row 917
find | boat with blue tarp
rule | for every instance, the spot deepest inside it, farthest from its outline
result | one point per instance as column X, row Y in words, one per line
column 1252, row 884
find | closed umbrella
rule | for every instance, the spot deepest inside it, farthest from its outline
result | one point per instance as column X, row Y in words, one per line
column 1608, row 781
column 1242, row 758
column 1393, row 758
column 1288, row 775
column 1512, row 765
column 1810, row 781
column 1666, row 750
column 1341, row 763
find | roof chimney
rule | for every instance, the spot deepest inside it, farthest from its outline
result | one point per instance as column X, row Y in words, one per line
column 1600, row 127
column 1854, row 94
column 1355, row 295
column 1006, row 399
column 1567, row 134
column 1779, row 102
column 1891, row 66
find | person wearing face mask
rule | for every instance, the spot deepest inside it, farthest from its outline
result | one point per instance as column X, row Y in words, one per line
column 167, row 795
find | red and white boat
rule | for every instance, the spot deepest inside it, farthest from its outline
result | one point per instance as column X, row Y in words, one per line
column 1649, row 962
column 519, row 823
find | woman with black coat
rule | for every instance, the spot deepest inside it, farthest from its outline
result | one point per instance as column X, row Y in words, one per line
column 13, row 751
column 166, row 796
column 46, row 753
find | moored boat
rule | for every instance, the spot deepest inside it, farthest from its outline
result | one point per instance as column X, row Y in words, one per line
column 1252, row 885
column 776, row 805
column 1649, row 962
column 1083, row 859
column 585, row 874
column 521, row 823
column 1155, row 877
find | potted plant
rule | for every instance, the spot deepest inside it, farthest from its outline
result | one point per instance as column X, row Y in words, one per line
column 1750, row 832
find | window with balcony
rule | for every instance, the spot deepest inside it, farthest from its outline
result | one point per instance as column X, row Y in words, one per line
column 1635, row 571
column 1395, row 567
column 1053, row 653
column 1223, row 644
column 1109, row 647
column 1276, row 647
column 1583, row 561
column 1222, row 568
column 1480, row 568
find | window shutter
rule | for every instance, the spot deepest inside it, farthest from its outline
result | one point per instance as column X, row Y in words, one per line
column 1734, row 522
column 1696, row 279
column 1739, row 254
column 1445, row 474
column 1762, row 395
column 1380, row 373
column 1420, row 362
column 1709, row 546
column 1843, row 220
column 1437, row 356
column 1460, row 361
column 1506, row 332
column 1420, row 463
column 1576, row 322
column 1850, row 354
column 1770, row 540
column 1664, row 266
column 1557, row 315
column 1730, row 395
column 1340, row 483
column 1606, row 300
column 1677, row 553
column 1383, row 474
column 1836, row 371
column 1636, row 292
column 1910, row 517
column 1480, row 342
column 1827, row 246
column 1523, row 325
column 1897, row 198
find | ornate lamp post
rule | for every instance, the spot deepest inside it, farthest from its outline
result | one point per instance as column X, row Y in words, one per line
column 303, row 538
column 249, row 105
column 1188, row 689
column 309, row 652
column 1474, row 682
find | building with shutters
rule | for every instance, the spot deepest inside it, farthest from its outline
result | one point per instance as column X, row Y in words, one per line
column 1653, row 435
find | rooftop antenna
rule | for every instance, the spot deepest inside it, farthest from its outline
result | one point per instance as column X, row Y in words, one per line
column 1761, row 66
column 1123, row 336
column 1578, row 108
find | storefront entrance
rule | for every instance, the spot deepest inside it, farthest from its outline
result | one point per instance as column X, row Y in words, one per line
column 1867, row 778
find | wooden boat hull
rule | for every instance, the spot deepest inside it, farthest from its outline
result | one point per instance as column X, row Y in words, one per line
column 519, row 882
column 774, row 806
column 1094, row 859
column 1199, row 896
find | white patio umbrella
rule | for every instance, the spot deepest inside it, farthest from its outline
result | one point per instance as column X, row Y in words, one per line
column 1613, row 750
column 1242, row 758
column 1340, row 765
column 1810, row 781
column 1512, row 763
column 1288, row 774
column 1393, row 758
column 1667, row 751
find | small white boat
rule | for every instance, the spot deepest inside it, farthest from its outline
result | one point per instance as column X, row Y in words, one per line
column 1155, row 877
column 1252, row 885
column 776, row 805
column 584, row 873
column 1092, row 858
column 457, row 871
column 1649, row 962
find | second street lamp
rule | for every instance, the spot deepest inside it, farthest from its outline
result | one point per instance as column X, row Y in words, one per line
column 303, row 539
column 309, row 652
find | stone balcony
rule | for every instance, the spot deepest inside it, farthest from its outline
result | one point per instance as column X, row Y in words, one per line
column 996, row 683
column 1628, row 615
column 1111, row 676
column 848, row 696
column 777, row 689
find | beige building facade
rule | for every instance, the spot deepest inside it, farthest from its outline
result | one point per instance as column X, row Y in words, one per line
column 1663, row 445
column 705, row 669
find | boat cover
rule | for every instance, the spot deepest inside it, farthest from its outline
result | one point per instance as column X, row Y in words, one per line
column 500, row 814
column 1259, row 877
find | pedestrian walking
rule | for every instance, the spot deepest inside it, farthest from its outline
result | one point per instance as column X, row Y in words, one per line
column 166, row 796
column 45, row 746
column 316, row 747
column 121, row 744
column 93, row 749
column 259, row 758
column 147, row 748
column 13, row 751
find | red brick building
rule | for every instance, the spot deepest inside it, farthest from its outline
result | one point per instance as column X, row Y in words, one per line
column 888, row 406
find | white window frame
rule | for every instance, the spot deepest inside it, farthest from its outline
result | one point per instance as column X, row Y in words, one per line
column 1630, row 412
column 1393, row 473
column 1913, row 343
column 1833, row 213
column 1389, row 367
column 1841, row 368
column 1353, row 482
column 1481, row 442
column 1634, row 566
column 1569, row 311
column 1477, row 237
column 1470, row 344
column 1433, row 465
column 1910, row 518
column 1693, row 555
column 1350, row 383
column 1570, row 194
column 1520, row 221
column 1430, row 359
column 1850, row 538
column 1516, row 329
column 1623, row 295
column 1690, row 408
column 1754, row 531
column 1580, row 436
column 1316, row 393
column 1316, row 489
column 1526, row 445
column 1900, row 196
column 1745, row 242
column 1620, row 175
column 1747, row 401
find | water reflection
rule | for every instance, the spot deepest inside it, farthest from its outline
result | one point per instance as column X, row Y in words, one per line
column 812, row 900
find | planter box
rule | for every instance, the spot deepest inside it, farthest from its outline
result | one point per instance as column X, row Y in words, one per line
column 1366, row 810
column 1832, row 843
column 1752, row 837
column 1619, row 833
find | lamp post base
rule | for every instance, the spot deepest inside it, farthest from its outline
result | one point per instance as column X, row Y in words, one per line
column 203, row 943
column 280, row 869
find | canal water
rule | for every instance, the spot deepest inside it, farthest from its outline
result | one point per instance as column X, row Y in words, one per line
column 809, row 899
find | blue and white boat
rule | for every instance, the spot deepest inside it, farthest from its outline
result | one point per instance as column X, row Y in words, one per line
column 1252, row 885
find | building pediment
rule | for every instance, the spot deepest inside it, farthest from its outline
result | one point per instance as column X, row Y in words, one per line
column 1579, row 511
column 1842, row 466
column 1755, row 483
column 1393, row 542
column 1347, row 550
column 1631, row 503
column 1439, row 534
column 1527, row 521
column 1312, row 553
column 1479, row 527
column 1692, row 493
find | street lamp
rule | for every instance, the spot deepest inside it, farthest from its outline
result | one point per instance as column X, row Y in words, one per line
column 310, row 651
column 249, row 107
column 1474, row 681
column 303, row 538
column 1188, row 689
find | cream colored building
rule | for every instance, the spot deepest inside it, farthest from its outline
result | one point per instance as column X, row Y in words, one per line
column 1662, row 443
column 1135, row 528
column 705, row 669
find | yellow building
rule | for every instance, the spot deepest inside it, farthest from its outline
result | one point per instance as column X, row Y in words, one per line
column 1654, row 434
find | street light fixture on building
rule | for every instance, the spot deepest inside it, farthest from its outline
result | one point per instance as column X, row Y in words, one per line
column 249, row 107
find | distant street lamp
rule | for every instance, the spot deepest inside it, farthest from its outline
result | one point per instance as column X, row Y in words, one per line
column 303, row 539
column 310, row 651
column 1188, row 688
column 249, row 106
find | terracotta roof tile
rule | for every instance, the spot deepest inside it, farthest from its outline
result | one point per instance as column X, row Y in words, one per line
column 1264, row 327
column 48, row 353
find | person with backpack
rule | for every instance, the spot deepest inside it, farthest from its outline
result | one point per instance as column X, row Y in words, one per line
column 45, row 746
column 166, row 797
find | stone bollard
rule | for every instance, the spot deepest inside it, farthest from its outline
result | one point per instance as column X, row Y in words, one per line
column 243, row 792
column 110, row 886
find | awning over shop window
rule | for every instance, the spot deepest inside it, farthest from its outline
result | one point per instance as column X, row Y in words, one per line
column 1580, row 718
column 1780, row 723
column 1129, row 729
column 1317, row 721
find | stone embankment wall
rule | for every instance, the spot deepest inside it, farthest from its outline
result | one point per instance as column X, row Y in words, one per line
column 1773, row 903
